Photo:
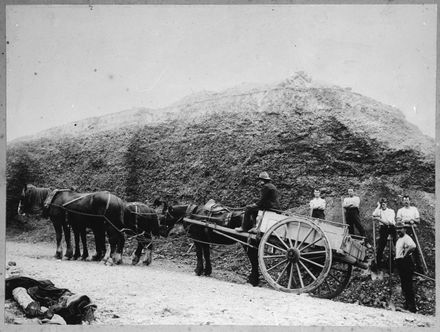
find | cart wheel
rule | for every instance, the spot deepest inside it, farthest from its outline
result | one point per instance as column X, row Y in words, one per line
column 336, row 281
column 294, row 256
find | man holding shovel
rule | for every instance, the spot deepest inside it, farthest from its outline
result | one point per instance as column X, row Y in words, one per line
column 409, row 216
column 404, row 247
column 385, row 216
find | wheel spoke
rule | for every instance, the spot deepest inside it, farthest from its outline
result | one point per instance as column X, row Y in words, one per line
column 314, row 252
column 311, row 262
column 299, row 275
column 308, row 234
column 297, row 234
column 290, row 276
column 274, row 256
column 290, row 240
column 274, row 246
column 278, row 264
column 331, row 275
column 305, row 267
column 281, row 240
column 328, row 286
column 282, row 272
column 311, row 244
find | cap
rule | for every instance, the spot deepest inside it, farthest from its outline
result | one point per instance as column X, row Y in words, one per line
column 264, row 176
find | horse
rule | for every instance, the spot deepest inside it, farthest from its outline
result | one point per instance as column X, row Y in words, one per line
column 101, row 211
column 204, row 236
column 143, row 221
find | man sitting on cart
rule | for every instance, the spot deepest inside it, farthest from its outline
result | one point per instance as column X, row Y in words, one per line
column 268, row 200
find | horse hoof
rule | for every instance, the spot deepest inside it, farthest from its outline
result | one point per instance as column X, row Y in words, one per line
column 207, row 272
column 84, row 258
column 198, row 272
column 58, row 255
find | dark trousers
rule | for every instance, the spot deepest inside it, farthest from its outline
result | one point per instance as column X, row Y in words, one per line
column 250, row 214
column 406, row 269
column 352, row 219
column 384, row 231
column 316, row 213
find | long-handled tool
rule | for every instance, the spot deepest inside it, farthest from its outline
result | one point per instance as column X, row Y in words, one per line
column 419, row 249
column 373, row 266
column 390, row 301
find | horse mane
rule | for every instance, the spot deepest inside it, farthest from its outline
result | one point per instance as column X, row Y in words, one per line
column 37, row 196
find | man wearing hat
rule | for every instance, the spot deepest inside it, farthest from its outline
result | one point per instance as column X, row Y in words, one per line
column 404, row 247
column 268, row 200
column 385, row 216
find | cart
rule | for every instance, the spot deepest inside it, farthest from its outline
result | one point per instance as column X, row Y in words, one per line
column 299, row 254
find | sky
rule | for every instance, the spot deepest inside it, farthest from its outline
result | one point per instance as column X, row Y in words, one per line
column 69, row 62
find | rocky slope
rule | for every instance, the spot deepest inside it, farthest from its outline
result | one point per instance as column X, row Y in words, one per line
column 306, row 134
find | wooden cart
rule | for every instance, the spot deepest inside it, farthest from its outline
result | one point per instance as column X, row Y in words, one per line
column 300, row 254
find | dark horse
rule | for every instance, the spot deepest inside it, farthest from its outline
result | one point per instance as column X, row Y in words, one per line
column 101, row 211
column 204, row 236
column 143, row 222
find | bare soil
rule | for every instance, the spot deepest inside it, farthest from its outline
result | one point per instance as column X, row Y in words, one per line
column 168, row 292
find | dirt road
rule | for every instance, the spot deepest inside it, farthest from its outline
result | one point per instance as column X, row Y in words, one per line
column 168, row 293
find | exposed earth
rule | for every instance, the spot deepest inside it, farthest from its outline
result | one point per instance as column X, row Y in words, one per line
column 168, row 292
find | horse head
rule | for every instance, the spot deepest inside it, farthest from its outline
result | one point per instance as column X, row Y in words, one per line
column 25, row 204
column 32, row 199
column 169, row 216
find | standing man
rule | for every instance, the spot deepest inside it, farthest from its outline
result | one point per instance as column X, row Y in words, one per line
column 268, row 200
column 385, row 216
column 409, row 216
column 404, row 247
column 317, row 205
column 351, row 206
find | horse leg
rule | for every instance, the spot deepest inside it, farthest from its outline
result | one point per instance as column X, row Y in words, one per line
column 69, row 250
column 99, row 233
column 207, row 255
column 117, row 256
column 148, row 258
column 83, row 234
column 199, row 253
column 254, row 277
column 76, row 233
column 137, row 253
column 59, row 237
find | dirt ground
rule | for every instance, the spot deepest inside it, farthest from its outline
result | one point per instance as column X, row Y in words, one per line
column 169, row 293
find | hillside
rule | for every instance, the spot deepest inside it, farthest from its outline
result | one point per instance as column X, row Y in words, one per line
column 306, row 134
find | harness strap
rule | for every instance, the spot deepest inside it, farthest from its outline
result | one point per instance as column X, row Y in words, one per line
column 136, row 218
column 77, row 199
column 108, row 203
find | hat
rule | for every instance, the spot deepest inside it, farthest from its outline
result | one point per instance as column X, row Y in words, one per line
column 383, row 200
column 264, row 176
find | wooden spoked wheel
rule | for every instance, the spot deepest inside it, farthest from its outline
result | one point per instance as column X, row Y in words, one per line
column 336, row 281
column 294, row 256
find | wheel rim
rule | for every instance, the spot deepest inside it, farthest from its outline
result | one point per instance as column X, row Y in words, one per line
column 294, row 256
column 336, row 280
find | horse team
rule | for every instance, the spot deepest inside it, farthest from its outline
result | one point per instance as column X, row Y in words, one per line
column 107, row 214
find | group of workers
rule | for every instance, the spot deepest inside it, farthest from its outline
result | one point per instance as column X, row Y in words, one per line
column 398, row 227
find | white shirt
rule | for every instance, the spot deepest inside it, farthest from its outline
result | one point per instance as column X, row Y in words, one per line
column 386, row 216
column 352, row 200
column 407, row 213
column 317, row 203
column 403, row 244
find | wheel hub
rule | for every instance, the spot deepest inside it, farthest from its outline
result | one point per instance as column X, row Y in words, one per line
column 293, row 255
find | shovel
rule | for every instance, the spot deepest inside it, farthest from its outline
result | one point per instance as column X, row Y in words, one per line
column 373, row 266
column 390, row 303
